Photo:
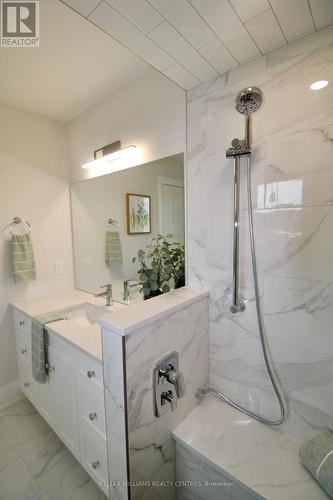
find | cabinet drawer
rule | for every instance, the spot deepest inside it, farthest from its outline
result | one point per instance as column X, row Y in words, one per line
column 22, row 322
column 23, row 346
column 28, row 385
column 92, row 409
column 94, row 458
column 91, row 372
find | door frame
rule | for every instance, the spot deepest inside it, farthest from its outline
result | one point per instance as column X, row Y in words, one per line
column 171, row 182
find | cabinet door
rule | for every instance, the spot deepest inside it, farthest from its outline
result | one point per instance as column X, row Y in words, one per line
column 49, row 404
column 62, row 383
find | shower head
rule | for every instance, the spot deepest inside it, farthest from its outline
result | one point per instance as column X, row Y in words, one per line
column 248, row 100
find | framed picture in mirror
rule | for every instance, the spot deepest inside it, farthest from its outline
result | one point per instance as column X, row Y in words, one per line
column 138, row 213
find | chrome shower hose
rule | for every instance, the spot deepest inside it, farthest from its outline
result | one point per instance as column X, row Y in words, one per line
column 261, row 326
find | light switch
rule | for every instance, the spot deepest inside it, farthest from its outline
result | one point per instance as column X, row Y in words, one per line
column 59, row 269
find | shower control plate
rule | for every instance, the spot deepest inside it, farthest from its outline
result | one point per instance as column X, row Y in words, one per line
column 166, row 384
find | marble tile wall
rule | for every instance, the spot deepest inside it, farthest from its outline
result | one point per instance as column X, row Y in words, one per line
column 151, row 448
column 292, row 188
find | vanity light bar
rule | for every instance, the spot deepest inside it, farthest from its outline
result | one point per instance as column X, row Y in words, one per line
column 124, row 154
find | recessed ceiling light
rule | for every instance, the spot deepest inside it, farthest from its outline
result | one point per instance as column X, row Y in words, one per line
column 318, row 85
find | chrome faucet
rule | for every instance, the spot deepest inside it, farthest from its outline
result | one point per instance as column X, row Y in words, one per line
column 127, row 286
column 169, row 374
column 107, row 294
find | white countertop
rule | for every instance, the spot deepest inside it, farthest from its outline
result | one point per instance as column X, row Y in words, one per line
column 119, row 318
column 64, row 300
column 86, row 338
column 140, row 314
column 259, row 456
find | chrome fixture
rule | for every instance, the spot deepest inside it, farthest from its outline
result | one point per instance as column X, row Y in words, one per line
column 111, row 223
column 167, row 384
column 247, row 102
column 127, row 285
column 167, row 373
column 15, row 222
column 107, row 294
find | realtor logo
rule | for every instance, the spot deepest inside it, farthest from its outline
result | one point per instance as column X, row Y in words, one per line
column 19, row 23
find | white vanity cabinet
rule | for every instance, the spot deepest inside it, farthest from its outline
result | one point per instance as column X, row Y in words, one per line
column 72, row 399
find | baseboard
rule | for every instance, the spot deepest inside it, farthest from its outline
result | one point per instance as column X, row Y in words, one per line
column 10, row 393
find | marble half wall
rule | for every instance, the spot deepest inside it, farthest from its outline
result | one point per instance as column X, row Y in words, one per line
column 140, row 446
column 292, row 191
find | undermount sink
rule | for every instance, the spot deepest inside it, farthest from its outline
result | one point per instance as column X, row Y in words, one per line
column 86, row 314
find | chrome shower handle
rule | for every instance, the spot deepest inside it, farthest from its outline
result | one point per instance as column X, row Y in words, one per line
column 173, row 377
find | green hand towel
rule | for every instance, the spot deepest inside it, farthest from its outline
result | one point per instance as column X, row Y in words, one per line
column 23, row 262
column 316, row 454
column 39, row 357
column 113, row 254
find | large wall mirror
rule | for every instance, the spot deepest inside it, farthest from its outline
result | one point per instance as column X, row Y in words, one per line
column 117, row 215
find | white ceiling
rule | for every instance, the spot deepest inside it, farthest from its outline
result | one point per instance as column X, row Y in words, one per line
column 75, row 66
column 192, row 41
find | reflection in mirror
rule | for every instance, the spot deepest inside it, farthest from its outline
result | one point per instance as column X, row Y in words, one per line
column 116, row 217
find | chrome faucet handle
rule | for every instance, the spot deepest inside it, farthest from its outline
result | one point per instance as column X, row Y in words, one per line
column 108, row 287
column 170, row 375
column 176, row 379
column 167, row 397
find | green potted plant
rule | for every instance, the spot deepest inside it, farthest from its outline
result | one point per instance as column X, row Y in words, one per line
column 162, row 262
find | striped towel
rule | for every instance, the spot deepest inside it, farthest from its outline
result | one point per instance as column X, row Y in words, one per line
column 39, row 357
column 23, row 262
column 113, row 254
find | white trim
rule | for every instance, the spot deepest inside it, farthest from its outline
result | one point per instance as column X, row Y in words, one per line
column 170, row 182
column 10, row 393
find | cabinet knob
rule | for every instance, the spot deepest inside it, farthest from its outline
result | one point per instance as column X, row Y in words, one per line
column 90, row 373
column 26, row 384
column 93, row 416
column 23, row 351
column 95, row 465
column 21, row 323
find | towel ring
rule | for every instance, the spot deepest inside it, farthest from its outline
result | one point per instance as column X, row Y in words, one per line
column 112, row 222
column 16, row 221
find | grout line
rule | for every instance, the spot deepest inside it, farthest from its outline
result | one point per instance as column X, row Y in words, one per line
column 244, row 25
column 99, row 3
column 155, row 27
column 314, row 24
column 186, row 40
column 259, row 14
column 214, row 32
column 284, row 36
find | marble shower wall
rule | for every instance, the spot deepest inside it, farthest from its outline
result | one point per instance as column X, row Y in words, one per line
column 292, row 187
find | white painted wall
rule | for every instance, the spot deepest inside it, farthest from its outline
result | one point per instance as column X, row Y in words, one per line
column 34, row 185
column 95, row 200
column 149, row 113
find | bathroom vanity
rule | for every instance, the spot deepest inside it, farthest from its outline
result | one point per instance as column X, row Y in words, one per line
column 117, row 424
column 72, row 399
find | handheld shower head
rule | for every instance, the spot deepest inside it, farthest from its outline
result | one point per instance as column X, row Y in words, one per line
column 248, row 100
